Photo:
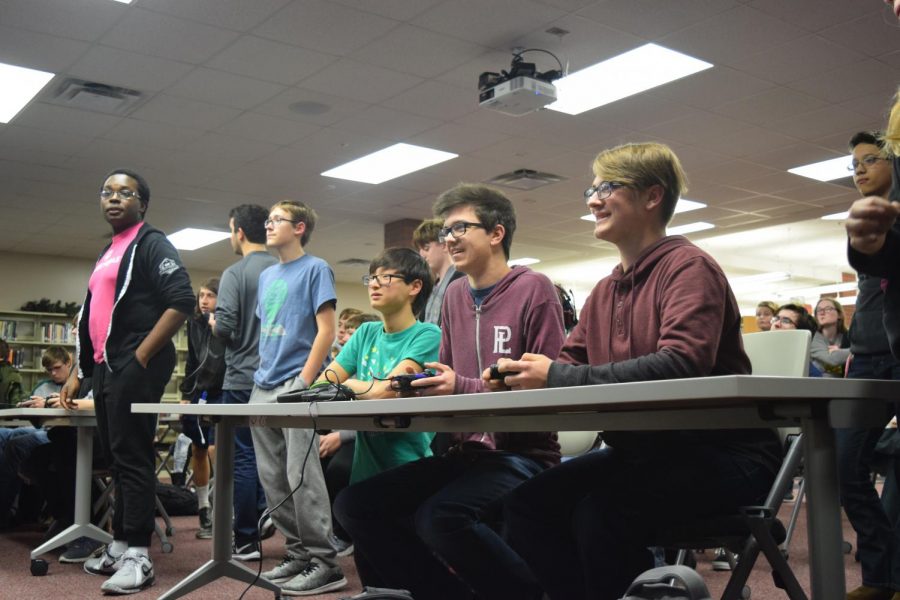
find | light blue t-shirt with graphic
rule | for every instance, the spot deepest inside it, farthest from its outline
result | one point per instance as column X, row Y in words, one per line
column 371, row 353
column 290, row 295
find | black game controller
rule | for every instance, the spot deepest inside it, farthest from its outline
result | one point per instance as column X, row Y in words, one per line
column 322, row 393
column 496, row 374
column 403, row 383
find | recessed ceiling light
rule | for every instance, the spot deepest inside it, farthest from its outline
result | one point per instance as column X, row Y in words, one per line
column 684, row 205
column 841, row 216
column 689, row 228
column 191, row 238
column 826, row 170
column 123, row 1
column 621, row 76
column 18, row 86
column 523, row 261
column 754, row 280
column 389, row 163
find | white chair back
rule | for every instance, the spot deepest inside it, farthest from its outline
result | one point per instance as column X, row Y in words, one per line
column 576, row 443
column 782, row 353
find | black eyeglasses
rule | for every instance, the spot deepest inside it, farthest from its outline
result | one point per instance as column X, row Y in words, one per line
column 783, row 321
column 603, row 190
column 124, row 194
column 458, row 230
column 383, row 280
column 276, row 221
column 868, row 161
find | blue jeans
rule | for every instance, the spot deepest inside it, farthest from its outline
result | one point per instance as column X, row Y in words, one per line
column 584, row 527
column 878, row 539
column 9, row 479
column 410, row 523
column 249, row 499
column 19, row 448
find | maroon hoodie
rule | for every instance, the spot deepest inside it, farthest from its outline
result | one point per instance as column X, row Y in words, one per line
column 671, row 316
column 521, row 314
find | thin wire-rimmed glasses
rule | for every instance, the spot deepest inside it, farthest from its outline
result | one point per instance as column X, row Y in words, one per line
column 603, row 190
column 868, row 161
column 124, row 194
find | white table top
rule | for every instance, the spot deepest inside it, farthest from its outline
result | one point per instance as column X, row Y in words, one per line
column 711, row 402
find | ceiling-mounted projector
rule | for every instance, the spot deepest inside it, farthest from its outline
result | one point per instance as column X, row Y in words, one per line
column 519, row 91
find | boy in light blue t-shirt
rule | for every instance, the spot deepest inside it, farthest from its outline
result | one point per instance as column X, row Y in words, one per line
column 399, row 282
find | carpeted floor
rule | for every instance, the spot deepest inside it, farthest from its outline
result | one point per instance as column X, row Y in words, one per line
column 69, row 581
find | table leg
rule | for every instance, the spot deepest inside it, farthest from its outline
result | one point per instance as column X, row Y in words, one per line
column 221, row 565
column 823, row 511
column 82, row 526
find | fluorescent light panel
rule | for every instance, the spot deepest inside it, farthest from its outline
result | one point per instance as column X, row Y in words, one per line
column 689, row 228
column 826, row 170
column 525, row 261
column 751, row 280
column 389, row 163
column 621, row 76
column 191, row 238
column 841, row 216
column 18, row 86
column 684, row 205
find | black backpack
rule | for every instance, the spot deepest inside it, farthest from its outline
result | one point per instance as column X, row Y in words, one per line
column 676, row 582
column 178, row 501
column 570, row 318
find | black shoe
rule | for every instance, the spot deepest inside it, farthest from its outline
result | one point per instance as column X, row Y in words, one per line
column 205, row 531
column 178, row 479
column 246, row 552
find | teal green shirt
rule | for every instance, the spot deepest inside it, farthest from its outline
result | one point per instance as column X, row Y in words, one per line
column 370, row 353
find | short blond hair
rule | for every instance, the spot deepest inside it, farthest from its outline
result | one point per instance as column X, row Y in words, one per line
column 643, row 165
column 892, row 133
column 300, row 213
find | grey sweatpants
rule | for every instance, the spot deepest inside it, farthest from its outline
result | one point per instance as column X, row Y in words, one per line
column 304, row 518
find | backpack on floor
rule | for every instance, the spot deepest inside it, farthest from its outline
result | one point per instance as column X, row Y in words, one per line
column 374, row 593
column 675, row 582
column 178, row 501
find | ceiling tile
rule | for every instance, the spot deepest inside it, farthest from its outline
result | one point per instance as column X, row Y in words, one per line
column 37, row 51
column 769, row 106
column 265, row 128
column 493, row 24
column 271, row 61
column 817, row 123
column 651, row 19
column 332, row 108
column 16, row 136
column 239, row 15
column 713, row 87
column 324, row 27
column 435, row 99
column 127, row 69
column 813, row 15
column 155, row 34
column 229, row 147
column 851, row 81
column 68, row 120
column 158, row 135
column 731, row 36
column 809, row 55
column 400, row 10
column 357, row 81
column 873, row 34
column 219, row 87
column 457, row 138
column 86, row 20
column 184, row 112
column 418, row 51
column 387, row 123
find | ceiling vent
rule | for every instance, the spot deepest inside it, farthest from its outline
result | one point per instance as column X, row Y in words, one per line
column 525, row 179
column 354, row 262
column 95, row 97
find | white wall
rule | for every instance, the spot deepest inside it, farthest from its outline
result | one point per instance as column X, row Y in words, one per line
column 32, row 277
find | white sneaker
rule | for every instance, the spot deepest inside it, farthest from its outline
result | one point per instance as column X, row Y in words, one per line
column 104, row 564
column 135, row 574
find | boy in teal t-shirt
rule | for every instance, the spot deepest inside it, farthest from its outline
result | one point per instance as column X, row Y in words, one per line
column 398, row 283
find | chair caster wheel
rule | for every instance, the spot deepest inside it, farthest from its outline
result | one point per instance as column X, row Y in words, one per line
column 745, row 592
column 39, row 567
column 167, row 548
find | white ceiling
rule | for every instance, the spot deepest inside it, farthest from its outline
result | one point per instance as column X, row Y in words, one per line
column 792, row 81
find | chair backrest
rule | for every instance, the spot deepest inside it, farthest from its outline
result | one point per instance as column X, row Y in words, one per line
column 779, row 353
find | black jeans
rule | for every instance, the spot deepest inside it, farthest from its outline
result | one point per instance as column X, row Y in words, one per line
column 584, row 527
column 127, row 440
column 409, row 523
column 877, row 537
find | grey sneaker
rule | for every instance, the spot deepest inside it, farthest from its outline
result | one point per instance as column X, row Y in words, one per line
column 80, row 550
column 135, row 574
column 316, row 578
column 290, row 566
column 103, row 564
column 205, row 531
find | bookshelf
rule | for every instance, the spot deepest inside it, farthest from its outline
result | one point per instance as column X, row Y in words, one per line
column 28, row 335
